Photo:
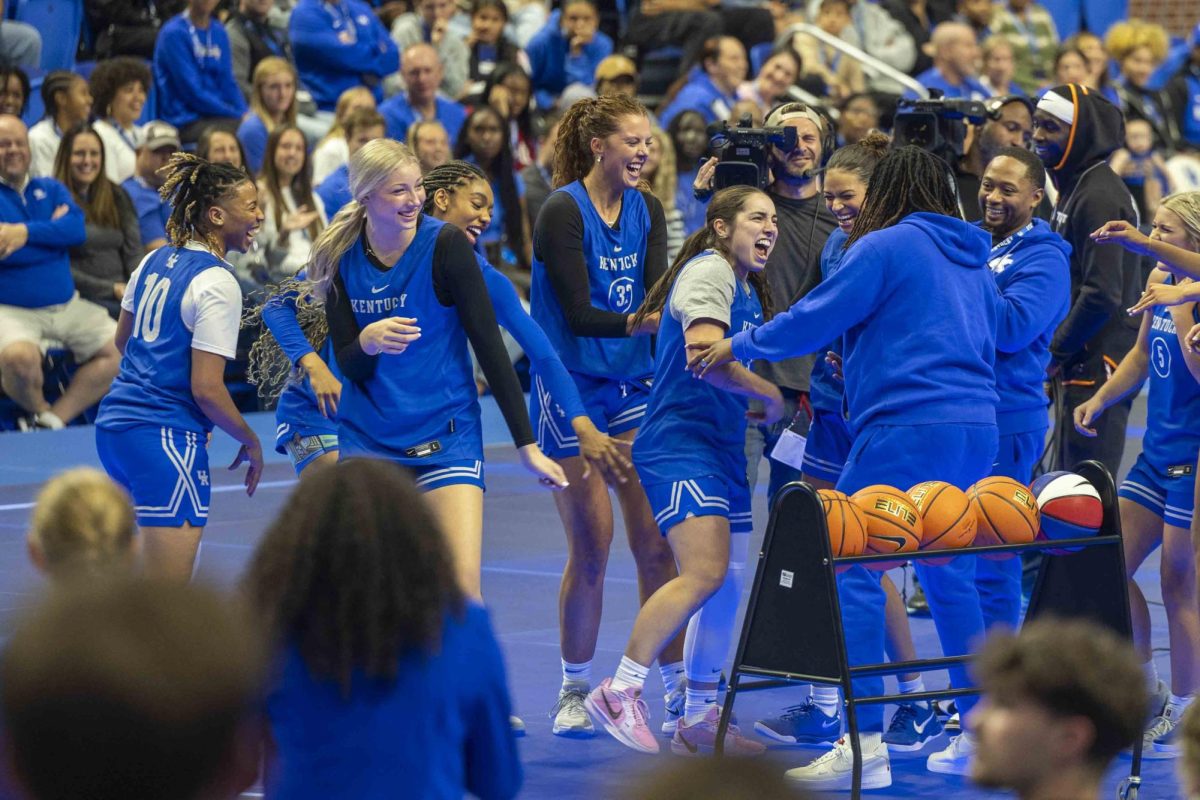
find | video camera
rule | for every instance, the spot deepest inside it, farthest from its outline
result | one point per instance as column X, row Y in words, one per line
column 742, row 152
column 937, row 125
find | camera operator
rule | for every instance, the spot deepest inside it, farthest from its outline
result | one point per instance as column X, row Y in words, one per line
column 793, row 268
column 1009, row 124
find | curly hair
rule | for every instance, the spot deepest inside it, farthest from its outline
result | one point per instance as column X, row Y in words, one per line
column 108, row 78
column 1125, row 37
column 268, row 368
column 906, row 180
column 8, row 71
column 350, row 582
column 193, row 186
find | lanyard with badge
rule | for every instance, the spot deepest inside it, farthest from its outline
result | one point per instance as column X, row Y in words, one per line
column 203, row 51
column 343, row 22
column 996, row 258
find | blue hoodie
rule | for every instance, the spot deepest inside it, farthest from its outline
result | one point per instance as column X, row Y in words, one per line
column 552, row 67
column 338, row 46
column 1033, row 272
column 917, row 309
column 193, row 73
column 699, row 94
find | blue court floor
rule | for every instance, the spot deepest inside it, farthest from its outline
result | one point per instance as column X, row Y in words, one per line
column 523, row 558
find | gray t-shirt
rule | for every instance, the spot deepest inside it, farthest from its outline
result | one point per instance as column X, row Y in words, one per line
column 704, row 290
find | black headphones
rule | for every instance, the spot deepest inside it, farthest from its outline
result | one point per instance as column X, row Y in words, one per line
column 993, row 104
column 826, row 128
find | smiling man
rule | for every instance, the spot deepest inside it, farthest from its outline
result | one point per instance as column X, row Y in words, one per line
column 1075, row 131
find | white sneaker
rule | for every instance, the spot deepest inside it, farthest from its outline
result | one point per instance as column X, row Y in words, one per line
column 834, row 770
column 517, row 725
column 673, row 707
column 570, row 717
column 955, row 759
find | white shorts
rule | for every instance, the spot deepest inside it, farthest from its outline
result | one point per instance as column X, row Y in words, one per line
column 79, row 325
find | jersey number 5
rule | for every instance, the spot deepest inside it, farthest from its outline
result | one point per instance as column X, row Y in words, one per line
column 148, row 320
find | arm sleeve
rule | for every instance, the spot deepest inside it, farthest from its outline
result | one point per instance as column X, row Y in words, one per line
column 1032, row 302
column 1101, row 277
column 703, row 291
column 492, row 763
column 558, row 241
column 214, row 314
column 828, row 311
column 459, row 282
column 279, row 315
column 656, row 246
column 66, row 231
column 385, row 55
column 533, row 340
column 343, row 331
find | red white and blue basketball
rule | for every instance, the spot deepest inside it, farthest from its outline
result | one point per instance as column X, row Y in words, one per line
column 1070, row 505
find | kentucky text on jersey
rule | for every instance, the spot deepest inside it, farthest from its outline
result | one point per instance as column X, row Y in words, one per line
column 379, row 306
column 619, row 263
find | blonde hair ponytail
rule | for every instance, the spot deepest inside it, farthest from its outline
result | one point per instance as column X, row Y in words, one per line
column 1186, row 205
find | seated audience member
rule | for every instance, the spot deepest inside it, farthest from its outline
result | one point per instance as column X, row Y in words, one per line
column 365, row 614
column 1070, row 66
column 430, row 142
column 686, row 24
column 1092, row 46
column 488, row 45
column 119, row 89
column 1030, row 30
column 14, row 90
column 769, row 87
column 340, row 44
column 68, row 102
column 272, row 103
column 293, row 216
column 158, row 685
column 331, row 152
column 428, row 22
column 509, row 92
column 1139, row 48
column 257, row 30
column 955, row 63
column 1142, row 167
column 860, row 115
column 39, row 222
column 538, row 176
column 159, row 143
column 362, row 126
column 998, row 67
column 660, row 172
column 420, row 99
column 22, row 42
column 877, row 32
column 1060, row 701
column 566, row 50
column 690, row 139
column 128, row 27
column 616, row 74
column 220, row 146
column 506, row 241
column 1184, row 92
column 710, row 88
column 82, row 522
column 112, row 249
column 919, row 17
column 193, row 73
column 842, row 76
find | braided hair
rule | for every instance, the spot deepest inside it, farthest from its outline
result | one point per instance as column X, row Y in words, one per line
column 906, row 180
column 193, row 186
column 587, row 119
column 449, row 176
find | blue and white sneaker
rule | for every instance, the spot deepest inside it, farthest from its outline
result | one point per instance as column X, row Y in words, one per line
column 914, row 725
column 802, row 724
column 1160, row 739
column 673, row 703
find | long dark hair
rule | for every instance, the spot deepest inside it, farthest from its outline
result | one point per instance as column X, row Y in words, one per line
column 724, row 205
column 301, row 185
column 524, row 118
column 350, row 582
column 193, row 186
column 500, row 171
column 505, row 49
column 906, row 180
column 587, row 119
column 98, row 201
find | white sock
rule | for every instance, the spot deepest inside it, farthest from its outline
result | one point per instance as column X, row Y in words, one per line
column 1150, row 670
column 1177, row 704
column 672, row 675
column 867, row 742
column 576, row 674
column 917, row 684
column 630, row 675
column 50, row 420
column 697, row 702
column 826, row 699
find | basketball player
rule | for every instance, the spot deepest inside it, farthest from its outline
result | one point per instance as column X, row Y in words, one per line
column 599, row 243
column 179, row 324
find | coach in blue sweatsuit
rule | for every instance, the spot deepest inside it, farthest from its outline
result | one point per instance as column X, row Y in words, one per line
column 340, row 44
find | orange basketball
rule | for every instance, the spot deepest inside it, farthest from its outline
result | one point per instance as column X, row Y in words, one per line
column 947, row 519
column 1006, row 510
column 893, row 523
column 846, row 523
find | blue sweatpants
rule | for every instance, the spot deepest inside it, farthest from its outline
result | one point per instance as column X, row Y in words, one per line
column 903, row 456
column 999, row 582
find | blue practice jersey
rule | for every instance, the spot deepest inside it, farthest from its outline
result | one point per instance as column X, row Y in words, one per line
column 154, row 385
column 421, row 406
column 1173, row 405
column 825, row 392
column 691, row 427
column 616, row 263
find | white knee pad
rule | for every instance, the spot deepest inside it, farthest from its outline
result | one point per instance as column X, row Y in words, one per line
column 712, row 628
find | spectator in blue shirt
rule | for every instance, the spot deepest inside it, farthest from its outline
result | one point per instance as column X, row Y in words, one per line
column 339, row 44
column 566, row 50
column 711, row 86
column 955, row 64
column 39, row 223
column 422, row 72
column 160, row 143
column 373, row 634
column 362, row 125
column 193, row 73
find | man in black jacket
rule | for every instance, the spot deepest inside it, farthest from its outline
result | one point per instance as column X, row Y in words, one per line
column 256, row 30
column 128, row 27
column 1075, row 130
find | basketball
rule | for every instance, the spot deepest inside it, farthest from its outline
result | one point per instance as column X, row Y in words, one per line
column 947, row 519
column 1070, row 506
column 1006, row 512
column 846, row 523
column 893, row 523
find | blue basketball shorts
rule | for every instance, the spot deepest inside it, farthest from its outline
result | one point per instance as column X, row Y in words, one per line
column 305, row 448
column 461, row 472
column 706, row 496
column 165, row 471
column 828, row 447
column 1154, row 487
column 614, row 406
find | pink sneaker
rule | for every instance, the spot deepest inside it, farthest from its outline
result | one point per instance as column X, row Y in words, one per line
column 701, row 738
column 623, row 714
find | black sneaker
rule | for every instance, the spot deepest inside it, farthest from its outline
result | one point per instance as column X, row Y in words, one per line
column 917, row 605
